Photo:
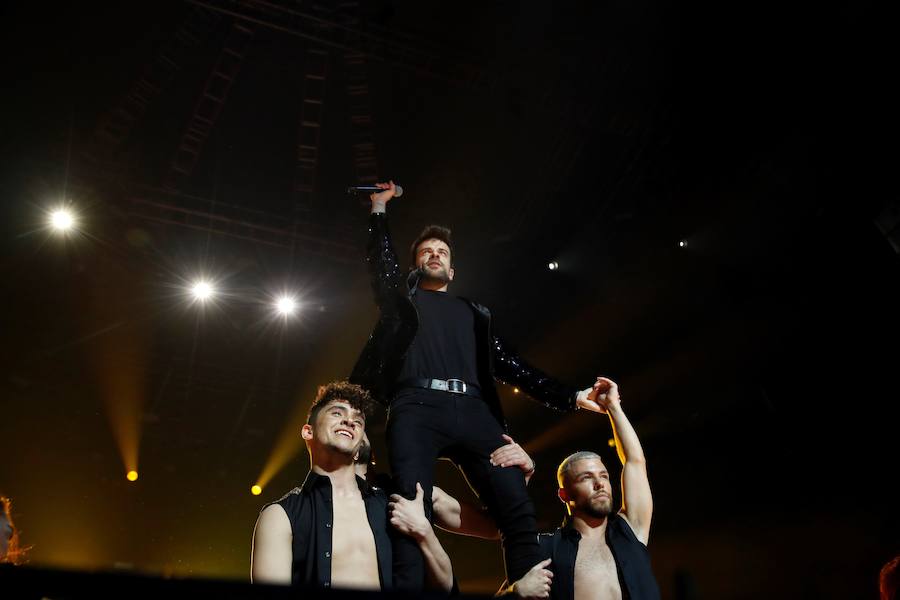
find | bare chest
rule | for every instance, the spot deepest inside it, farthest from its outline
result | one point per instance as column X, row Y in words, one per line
column 596, row 577
column 354, row 561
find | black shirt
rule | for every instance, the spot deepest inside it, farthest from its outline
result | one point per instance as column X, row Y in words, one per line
column 444, row 346
column 632, row 560
column 311, row 514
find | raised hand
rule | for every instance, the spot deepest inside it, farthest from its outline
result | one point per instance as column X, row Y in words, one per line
column 600, row 396
column 380, row 199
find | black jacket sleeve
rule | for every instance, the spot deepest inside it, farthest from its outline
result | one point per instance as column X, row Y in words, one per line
column 387, row 278
column 512, row 369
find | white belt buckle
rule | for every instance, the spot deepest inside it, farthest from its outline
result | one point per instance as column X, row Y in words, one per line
column 457, row 391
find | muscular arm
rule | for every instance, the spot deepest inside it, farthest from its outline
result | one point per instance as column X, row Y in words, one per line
column 464, row 518
column 408, row 517
column 272, row 554
column 437, row 562
column 637, row 501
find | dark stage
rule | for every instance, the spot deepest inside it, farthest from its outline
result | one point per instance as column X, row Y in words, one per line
column 710, row 181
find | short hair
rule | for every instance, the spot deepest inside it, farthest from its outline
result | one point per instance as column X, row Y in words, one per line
column 356, row 396
column 565, row 467
column 436, row 232
column 889, row 579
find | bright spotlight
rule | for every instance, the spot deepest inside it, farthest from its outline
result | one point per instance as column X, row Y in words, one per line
column 256, row 490
column 202, row 290
column 62, row 219
column 682, row 243
column 131, row 476
column 286, row 305
column 553, row 265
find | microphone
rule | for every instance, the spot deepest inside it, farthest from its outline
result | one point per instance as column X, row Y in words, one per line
column 368, row 189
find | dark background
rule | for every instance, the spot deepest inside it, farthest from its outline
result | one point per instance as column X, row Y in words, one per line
column 758, row 362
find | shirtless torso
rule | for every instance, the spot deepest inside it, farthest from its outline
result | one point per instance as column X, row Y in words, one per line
column 596, row 577
column 354, row 561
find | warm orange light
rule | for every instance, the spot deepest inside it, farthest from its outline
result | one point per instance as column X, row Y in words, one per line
column 611, row 442
column 131, row 476
column 515, row 390
column 256, row 490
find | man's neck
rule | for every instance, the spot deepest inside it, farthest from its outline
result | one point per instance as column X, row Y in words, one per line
column 589, row 526
column 340, row 471
column 433, row 285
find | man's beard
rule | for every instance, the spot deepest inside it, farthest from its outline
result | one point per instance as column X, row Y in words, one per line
column 440, row 274
column 598, row 510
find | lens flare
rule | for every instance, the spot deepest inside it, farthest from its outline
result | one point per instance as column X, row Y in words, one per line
column 202, row 290
column 286, row 305
column 62, row 219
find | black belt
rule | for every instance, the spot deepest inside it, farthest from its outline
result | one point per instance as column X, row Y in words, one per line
column 454, row 386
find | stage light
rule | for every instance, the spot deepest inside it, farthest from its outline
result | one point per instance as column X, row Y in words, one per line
column 553, row 265
column 611, row 442
column 286, row 305
column 682, row 243
column 515, row 390
column 62, row 219
column 202, row 290
column 256, row 490
column 131, row 476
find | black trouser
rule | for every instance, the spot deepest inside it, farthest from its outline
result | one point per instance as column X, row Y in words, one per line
column 424, row 425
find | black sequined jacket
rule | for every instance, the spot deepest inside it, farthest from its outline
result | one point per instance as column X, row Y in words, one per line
column 382, row 358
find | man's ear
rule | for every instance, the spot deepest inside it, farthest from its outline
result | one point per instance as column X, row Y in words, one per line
column 450, row 273
column 306, row 432
column 563, row 495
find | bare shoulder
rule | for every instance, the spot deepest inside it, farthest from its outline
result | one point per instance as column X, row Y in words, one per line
column 271, row 556
column 272, row 520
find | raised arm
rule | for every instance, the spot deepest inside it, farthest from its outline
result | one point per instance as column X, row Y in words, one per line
column 512, row 369
column 387, row 277
column 637, row 501
column 272, row 555
column 379, row 200
column 408, row 517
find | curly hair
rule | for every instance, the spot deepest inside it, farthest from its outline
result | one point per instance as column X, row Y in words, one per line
column 432, row 232
column 15, row 553
column 356, row 396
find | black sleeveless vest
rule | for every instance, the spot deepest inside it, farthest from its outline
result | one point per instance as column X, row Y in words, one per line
column 632, row 560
